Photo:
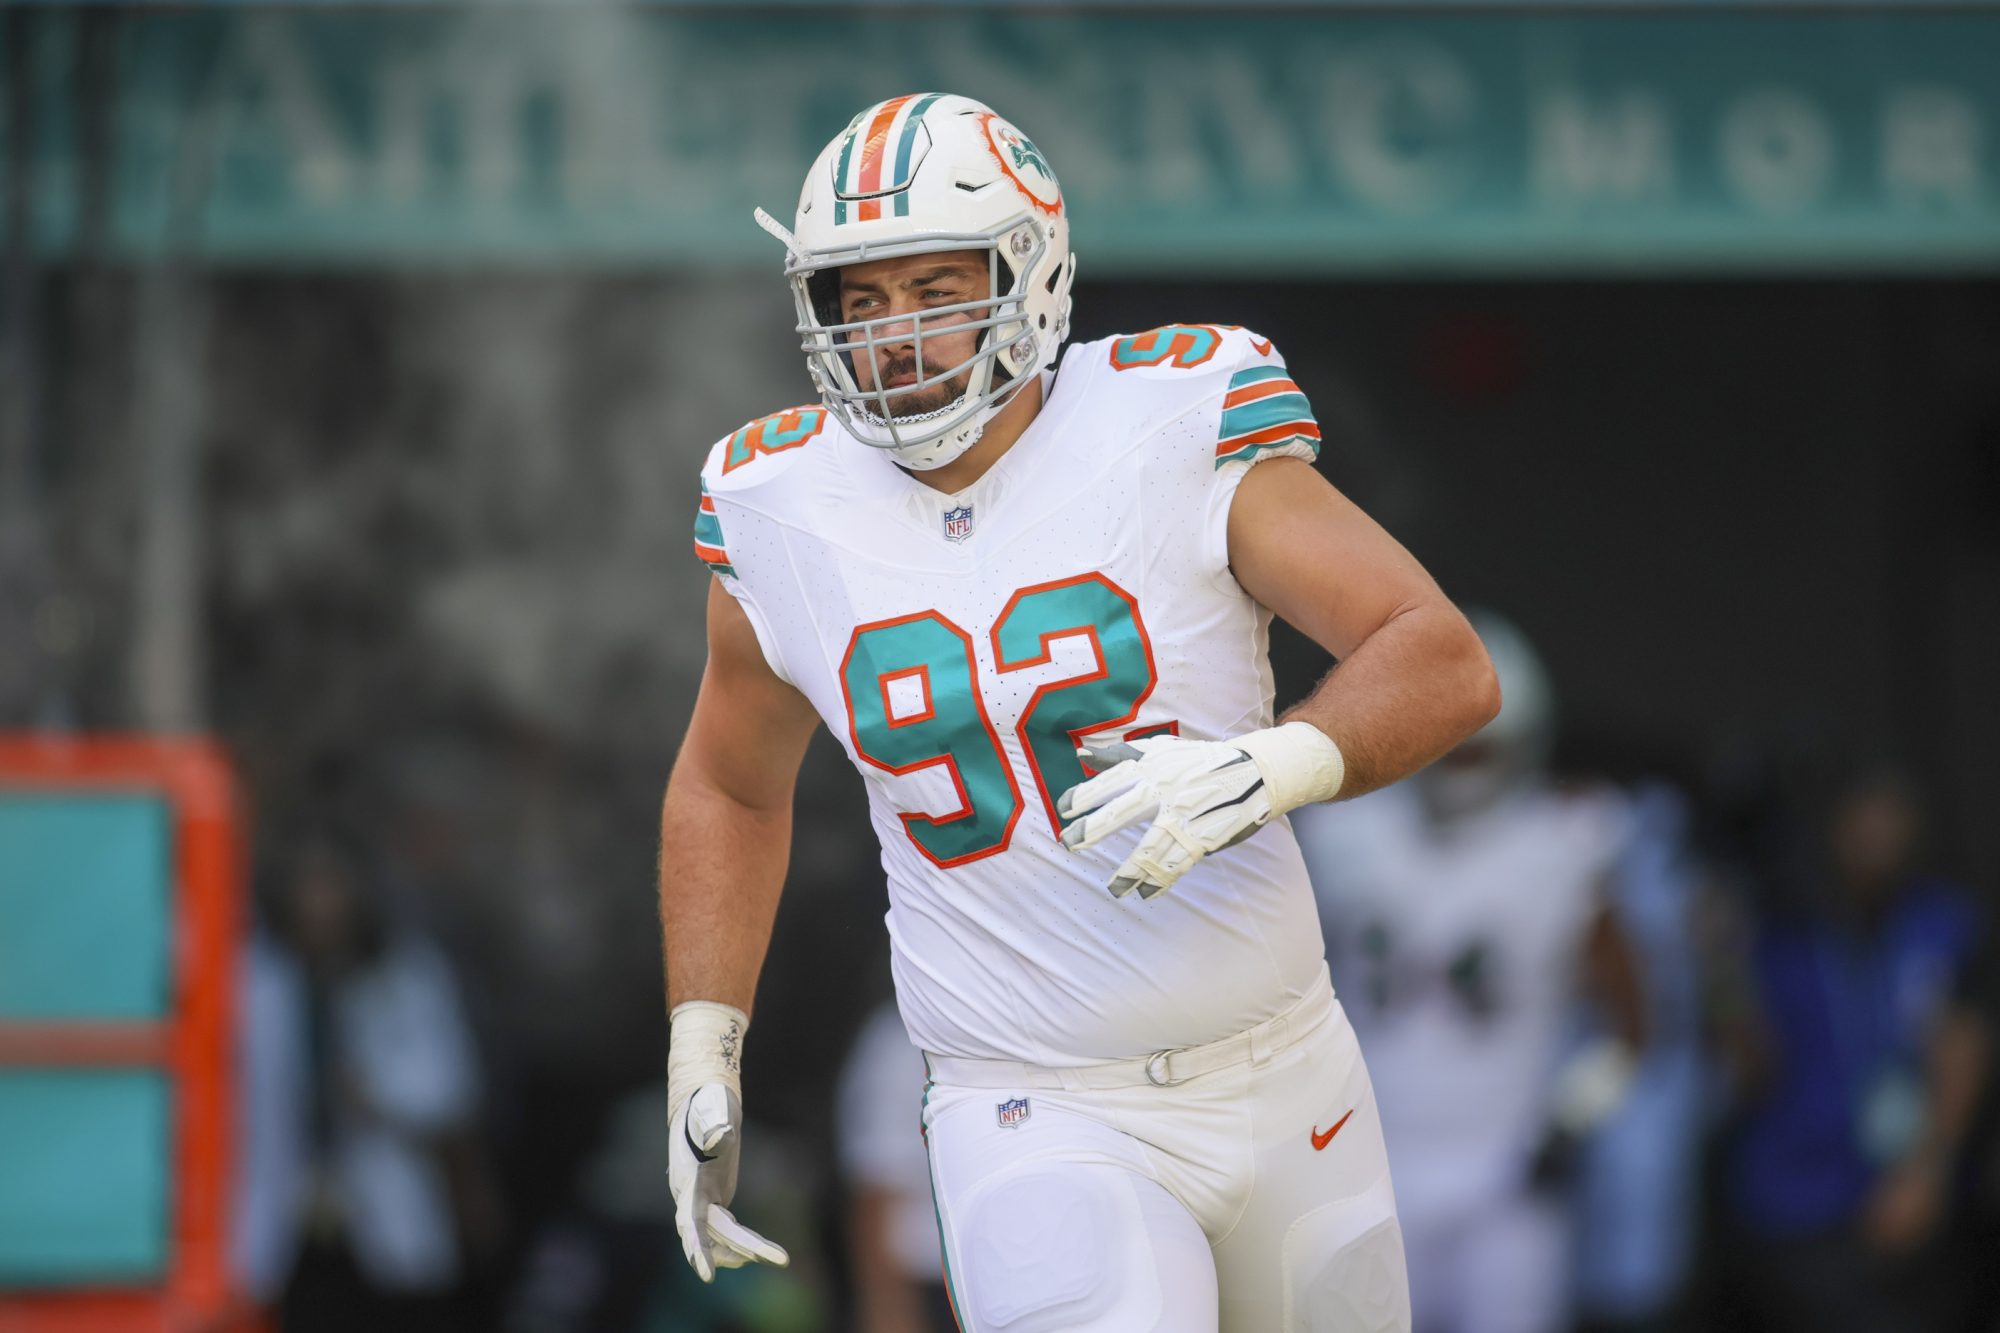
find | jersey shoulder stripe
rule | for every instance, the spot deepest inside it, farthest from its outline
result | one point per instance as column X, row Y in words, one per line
column 1260, row 410
column 1265, row 412
column 708, row 541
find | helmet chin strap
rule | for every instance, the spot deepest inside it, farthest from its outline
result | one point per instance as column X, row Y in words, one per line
column 930, row 454
column 932, row 415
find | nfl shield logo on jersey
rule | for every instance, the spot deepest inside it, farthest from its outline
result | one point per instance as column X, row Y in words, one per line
column 957, row 527
column 1013, row 1113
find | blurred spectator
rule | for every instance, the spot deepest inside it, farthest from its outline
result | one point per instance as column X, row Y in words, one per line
column 359, row 1170
column 601, row 1264
column 1465, row 916
column 607, row 1260
column 1861, row 1065
column 1637, row 1198
column 892, row 1227
column 1971, row 1034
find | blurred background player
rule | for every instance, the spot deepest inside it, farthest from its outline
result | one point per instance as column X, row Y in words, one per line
column 1638, row 1183
column 892, row 1227
column 1466, row 918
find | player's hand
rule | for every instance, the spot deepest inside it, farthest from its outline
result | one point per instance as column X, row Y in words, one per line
column 1200, row 797
column 701, row 1168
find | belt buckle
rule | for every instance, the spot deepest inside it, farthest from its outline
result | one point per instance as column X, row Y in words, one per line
column 1164, row 1077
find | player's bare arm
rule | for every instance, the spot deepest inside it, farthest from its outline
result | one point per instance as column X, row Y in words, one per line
column 725, row 839
column 1612, row 979
column 1594, row 1080
column 726, row 828
column 1412, row 679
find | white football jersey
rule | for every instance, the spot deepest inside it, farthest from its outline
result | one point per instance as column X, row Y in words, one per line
column 1458, row 957
column 962, row 646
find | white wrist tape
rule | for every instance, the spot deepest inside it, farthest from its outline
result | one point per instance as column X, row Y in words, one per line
column 704, row 1045
column 1300, row 764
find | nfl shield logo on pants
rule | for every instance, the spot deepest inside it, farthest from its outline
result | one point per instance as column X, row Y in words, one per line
column 958, row 524
column 1013, row 1113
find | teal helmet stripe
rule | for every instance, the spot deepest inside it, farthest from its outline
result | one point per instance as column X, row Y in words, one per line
column 840, row 172
column 903, row 150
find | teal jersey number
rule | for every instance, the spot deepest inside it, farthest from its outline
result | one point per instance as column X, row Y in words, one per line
column 1063, row 711
column 943, row 720
column 951, row 728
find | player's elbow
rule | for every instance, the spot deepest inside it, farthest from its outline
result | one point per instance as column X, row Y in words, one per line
column 1478, row 692
column 1488, row 692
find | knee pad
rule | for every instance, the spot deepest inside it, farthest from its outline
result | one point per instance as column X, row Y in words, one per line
column 1344, row 1267
column 1052, row 1247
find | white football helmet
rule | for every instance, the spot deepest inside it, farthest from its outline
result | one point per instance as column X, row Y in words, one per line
column 923, row 173
column 1513, row 748
column 1525, row 725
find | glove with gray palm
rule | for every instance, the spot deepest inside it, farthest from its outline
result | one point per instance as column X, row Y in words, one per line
column 1198, row 796
column 705, row 1098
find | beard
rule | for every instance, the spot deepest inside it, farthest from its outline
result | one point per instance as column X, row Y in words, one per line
column 922, row 402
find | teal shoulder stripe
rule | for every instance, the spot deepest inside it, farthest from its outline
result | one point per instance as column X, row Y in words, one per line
column 1276, row 410
column 1252, row 451
column 708, row 532
column 1257, row 374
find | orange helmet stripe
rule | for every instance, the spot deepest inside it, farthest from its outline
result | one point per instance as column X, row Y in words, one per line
column 873, row 149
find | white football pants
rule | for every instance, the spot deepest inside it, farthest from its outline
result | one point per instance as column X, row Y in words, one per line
column 1250, row 1196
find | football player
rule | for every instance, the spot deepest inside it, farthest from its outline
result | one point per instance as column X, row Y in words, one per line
column 1032, row 604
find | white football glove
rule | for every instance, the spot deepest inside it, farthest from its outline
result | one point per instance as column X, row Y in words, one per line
column 1201, row 796
column 706, row 1100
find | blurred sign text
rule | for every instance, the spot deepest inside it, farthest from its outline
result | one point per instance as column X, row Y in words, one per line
column 1267, row 142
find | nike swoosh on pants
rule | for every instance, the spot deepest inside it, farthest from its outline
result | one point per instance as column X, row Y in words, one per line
column 1321, row 1140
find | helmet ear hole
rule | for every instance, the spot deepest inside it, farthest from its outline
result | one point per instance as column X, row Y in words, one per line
column 824, row 289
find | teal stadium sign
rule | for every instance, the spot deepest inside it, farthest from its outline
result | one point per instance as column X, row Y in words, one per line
column 1277, row 141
